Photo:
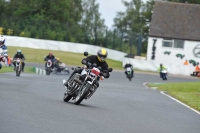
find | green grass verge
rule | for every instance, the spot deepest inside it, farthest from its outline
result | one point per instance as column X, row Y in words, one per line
column 188, row 93
column 37, row 56
column 27, row 69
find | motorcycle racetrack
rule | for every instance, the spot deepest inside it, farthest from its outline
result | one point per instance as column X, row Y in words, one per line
column 34, row 103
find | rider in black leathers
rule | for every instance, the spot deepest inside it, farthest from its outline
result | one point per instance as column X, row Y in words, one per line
column 128, row 65
column 51, row 57
column 21, row 56
column 99, row 59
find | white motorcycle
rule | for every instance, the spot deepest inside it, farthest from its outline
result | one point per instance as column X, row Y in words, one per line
column 164, row 74
column 18, row 68
column 49, row 66
column 129, row 73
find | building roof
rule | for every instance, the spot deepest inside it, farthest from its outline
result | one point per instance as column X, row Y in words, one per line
column 176, row 21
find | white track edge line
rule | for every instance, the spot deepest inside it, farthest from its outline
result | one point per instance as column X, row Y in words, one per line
column 162, row 92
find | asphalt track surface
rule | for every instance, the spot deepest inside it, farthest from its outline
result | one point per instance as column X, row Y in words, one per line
column 33, row 103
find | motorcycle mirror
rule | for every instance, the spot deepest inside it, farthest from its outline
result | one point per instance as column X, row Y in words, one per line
column 85, row 53
column 110, row 69
column 84, row 61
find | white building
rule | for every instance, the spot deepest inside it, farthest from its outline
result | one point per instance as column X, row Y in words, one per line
column 175, row 30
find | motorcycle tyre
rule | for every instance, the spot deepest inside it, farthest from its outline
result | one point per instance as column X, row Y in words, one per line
column 17, row 71
column 48, row 71
column 84, row 94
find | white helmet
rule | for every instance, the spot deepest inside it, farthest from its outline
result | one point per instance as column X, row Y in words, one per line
column 2, row 39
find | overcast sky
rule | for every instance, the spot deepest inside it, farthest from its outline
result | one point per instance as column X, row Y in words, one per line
column 108, row 9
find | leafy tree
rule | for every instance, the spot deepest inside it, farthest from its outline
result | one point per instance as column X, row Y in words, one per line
column 91, row 22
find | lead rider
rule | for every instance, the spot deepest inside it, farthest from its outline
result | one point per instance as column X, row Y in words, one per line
column 99, row 59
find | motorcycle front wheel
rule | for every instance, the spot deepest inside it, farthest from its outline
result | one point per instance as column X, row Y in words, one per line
column 83, row 92
column 48, row 71
column 18, row 71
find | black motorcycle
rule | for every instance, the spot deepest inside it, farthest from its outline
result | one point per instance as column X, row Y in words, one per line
column 62, row 68
column 78, row 89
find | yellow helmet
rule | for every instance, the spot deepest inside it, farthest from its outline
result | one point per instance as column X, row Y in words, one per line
column 102, row 55
column 57, row 59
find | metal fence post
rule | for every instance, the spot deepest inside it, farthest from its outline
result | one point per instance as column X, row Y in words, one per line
column 114, row 38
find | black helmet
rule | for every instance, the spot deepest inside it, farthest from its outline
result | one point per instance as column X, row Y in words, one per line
column 102, row 55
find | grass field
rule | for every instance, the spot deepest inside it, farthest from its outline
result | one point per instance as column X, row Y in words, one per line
column 188, row 93
column 27, row 69
column 37, row 56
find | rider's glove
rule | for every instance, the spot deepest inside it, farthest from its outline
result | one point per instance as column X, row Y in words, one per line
column 101, row 77
column 84, row 67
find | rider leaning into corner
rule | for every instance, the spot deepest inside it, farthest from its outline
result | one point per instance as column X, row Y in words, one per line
column 1, row 58
column 129, row 65
column 20, row 56
column 99, row 59
column 161, row 68
column 2, row 43
column 51, row 57
column 3, row 46
column 57, row 63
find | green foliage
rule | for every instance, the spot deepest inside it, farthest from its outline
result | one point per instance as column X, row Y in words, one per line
column 79, row 21
column 5, row 69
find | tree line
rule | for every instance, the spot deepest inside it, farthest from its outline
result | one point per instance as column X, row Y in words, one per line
column 79, row 21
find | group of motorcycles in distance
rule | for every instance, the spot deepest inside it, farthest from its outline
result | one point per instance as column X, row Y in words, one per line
column 61, row 68
column 76, row 89
column 129, row 73
column 5, row 58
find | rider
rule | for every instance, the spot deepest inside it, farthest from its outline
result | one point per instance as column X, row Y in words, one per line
column 1, row 60
column 51, row 57
column 99, row 59
column 161, row 68
column 2, row 42
column 57, row 62
column 131, row 66
column 20, row 56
